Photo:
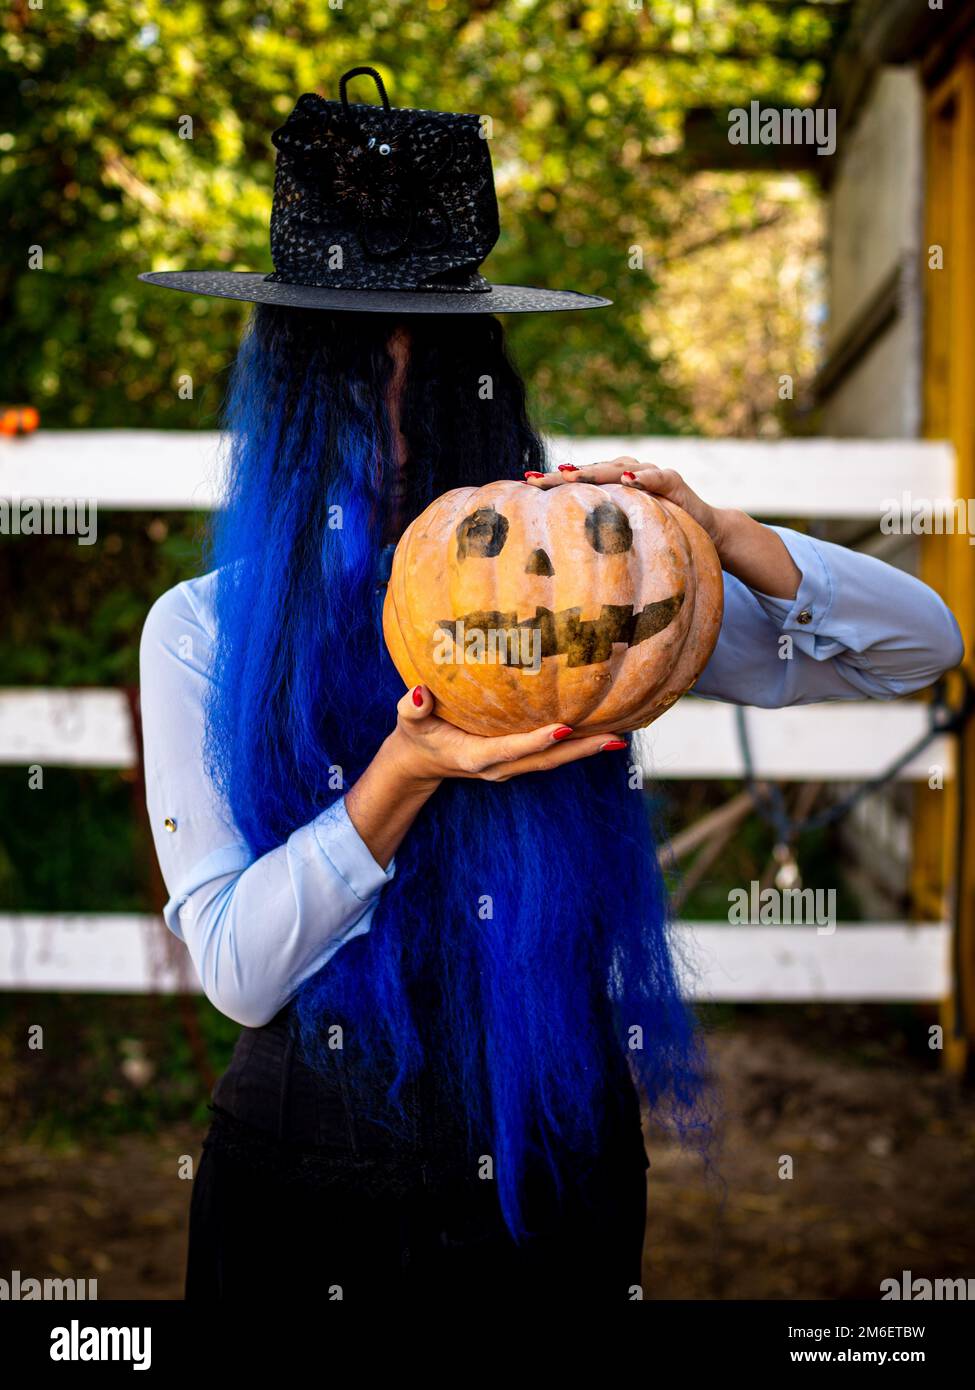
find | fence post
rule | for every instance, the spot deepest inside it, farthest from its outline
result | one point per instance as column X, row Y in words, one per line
column 944, row 862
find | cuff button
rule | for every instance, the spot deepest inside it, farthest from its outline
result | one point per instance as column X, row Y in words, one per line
column 805, row 616
column 170, row 825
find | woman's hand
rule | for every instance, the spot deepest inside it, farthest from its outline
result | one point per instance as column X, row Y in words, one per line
column 423, row 749
column 629, row 472
column 747, row 549
column 429, row 749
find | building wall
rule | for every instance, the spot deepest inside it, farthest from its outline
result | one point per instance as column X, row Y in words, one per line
column 875, row 228
column 879, row 397
column 875, row 221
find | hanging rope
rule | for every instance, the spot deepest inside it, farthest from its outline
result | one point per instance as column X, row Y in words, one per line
column 943, row 718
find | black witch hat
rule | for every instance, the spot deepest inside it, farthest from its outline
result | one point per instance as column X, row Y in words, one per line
column 379, row 208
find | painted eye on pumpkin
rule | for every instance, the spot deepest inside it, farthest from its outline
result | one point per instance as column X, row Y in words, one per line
column 608, row 529
column 482, row 534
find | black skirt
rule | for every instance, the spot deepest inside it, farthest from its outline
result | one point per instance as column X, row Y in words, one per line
column 300, row 1191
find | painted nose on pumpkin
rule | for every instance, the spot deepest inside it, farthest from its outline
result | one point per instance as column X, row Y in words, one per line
column 539, row 563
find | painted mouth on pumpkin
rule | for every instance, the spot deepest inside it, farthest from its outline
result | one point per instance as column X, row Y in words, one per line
column 565, row 633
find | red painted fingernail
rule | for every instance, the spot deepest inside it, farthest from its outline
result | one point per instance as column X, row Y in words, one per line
column 534, row 475
column 612, row 745
column 629, row 475
column 562, row 732
column 568, row 468
column 418, row 695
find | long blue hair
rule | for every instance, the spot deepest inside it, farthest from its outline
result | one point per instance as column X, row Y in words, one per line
column 533, row 909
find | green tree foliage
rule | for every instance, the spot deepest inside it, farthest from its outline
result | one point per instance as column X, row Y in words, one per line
column 586, row 101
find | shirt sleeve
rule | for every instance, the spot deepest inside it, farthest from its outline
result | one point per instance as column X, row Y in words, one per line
column 255, row 928
column 857, row 628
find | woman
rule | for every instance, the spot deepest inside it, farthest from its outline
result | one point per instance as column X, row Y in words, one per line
column 449, row 954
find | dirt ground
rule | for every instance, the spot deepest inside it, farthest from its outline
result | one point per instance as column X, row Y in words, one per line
column 881, row 1150
column 881, row 1179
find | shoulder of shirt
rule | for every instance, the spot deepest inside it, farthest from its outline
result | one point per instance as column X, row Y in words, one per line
column 190, row 603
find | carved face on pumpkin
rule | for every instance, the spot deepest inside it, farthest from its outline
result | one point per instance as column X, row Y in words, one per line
column 565, row 632
column 591, row 606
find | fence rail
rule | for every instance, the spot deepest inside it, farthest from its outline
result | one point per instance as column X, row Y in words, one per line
column 125, row 953
column 169, row 470
column 695, row 739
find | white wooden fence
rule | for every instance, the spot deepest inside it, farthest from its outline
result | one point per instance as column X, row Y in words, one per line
column 844, row 742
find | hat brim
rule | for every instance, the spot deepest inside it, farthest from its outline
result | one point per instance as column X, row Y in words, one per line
column 255, row 288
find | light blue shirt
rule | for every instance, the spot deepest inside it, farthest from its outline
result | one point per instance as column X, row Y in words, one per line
column 257, row 928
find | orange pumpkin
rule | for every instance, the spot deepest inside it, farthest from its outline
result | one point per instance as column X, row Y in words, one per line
column 592, row 606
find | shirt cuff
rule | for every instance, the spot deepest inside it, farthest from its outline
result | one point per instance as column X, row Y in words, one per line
column 810, row 608
column 348, row 853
